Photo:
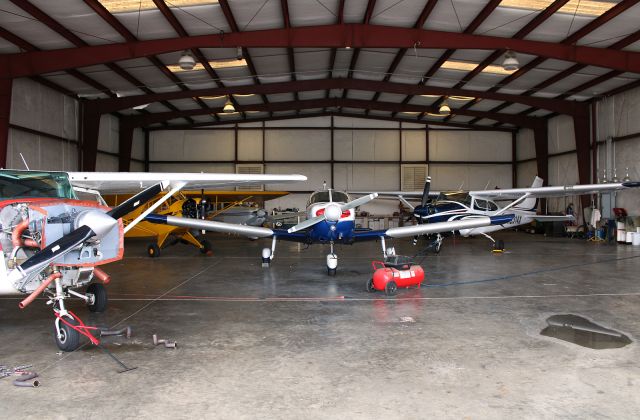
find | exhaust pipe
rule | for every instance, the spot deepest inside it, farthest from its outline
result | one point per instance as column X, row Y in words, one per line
column 101, row 275
column 39, row 290
column 26, row 380
column 16, row 236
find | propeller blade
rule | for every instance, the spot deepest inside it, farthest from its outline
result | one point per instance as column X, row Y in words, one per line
column 425, row 192
column 358, row 202
column 135, row 201
column 57, row 249
column 306, row 224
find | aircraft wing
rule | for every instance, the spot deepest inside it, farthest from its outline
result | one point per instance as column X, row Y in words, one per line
column 130, row 182
column 439, row 227
column 394, row 194
column 554, row 191
column 554, row 218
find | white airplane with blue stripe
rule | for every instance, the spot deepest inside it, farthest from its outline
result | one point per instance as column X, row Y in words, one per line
column 437, row 207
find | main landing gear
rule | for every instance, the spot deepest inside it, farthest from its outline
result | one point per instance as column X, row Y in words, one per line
column 498, row 246
column 267, row 254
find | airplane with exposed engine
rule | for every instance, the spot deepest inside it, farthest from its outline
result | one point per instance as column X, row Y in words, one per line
column 52, row 243
column 437, row 207
column 331, row 220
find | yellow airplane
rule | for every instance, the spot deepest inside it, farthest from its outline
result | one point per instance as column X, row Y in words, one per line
column 187, row 204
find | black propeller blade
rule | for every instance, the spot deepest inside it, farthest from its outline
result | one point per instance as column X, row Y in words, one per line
column 425, row 192
column 135, row 201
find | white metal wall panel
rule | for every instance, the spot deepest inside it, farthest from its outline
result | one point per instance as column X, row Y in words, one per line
column 526, row 173
column 250, row 145
column 525, row 144
column 109, row 133
column 106, row 163
column 164, row 145
column 137, row 149
column 208, row 145
column 470, row 177
column 136, row 167
column 618, row 115
column 366, row 145
column 627, row 156
column 470, row 146
column 414, row 145
column 225, row 168
column 40, row 108
column 373, row 177
column 40, row 152
column 561, row 134
column 316, row 174
column 346, row 122
column 301, row 122
column 297, row 145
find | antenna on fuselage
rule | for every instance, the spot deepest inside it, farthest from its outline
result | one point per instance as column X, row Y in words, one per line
column 25, row 162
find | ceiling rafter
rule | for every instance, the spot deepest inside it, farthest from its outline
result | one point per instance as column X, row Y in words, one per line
column 145, row 120
column 422, row 19
column 101, row 11
column 334, row 114
column 334, row 51
column 112, row 105
column 327, row 36
column 371, row 4
column 231, row 21
column 284, row 6
column 477, row 21
column 27, row 46
column 570, row 40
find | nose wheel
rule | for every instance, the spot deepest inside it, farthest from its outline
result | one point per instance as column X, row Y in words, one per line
column 332, row 262
column 66, row 338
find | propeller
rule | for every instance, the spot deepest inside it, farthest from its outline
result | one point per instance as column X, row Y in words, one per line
column 89, row 225
column 425, row 192
column 332, row 212
column 422, row 210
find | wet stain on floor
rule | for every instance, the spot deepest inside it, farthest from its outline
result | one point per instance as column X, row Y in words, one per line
column 583, row 332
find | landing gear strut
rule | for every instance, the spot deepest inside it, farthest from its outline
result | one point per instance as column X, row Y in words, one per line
column 332, row 262
column 267, row 254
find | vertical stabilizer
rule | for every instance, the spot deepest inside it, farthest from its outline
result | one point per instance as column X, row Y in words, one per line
column 531, row 203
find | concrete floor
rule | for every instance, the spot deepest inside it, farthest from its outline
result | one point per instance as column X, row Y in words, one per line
column 291, row 342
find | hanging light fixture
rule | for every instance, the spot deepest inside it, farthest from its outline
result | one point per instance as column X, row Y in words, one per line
column 228, row 106
column 186, row 62
column 626, row 178
column 510, row 62
column 444, row 109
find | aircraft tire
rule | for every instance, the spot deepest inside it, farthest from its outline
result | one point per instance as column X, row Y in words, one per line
column 206, row 247
column 332, row 271
column 499, row 245
column 370, row 287
column 390, row 288
column 101, row 300
column 437, row 248
column 153, row 250
column 70, row 338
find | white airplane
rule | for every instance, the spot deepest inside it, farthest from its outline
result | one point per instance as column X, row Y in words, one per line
column 437, row 207
column 51, row 242
column 331, row 219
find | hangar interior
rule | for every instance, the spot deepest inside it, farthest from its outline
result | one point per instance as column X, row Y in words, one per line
column 362, row 95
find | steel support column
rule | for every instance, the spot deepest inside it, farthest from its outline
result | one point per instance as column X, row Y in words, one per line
column 541, row 140
column 582, row 134
column 125, row 143
column 90, row 130
column 5, row 110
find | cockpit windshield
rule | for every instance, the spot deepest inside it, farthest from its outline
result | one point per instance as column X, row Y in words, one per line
column 457, row 196
column 34, row 184
column 323, row 197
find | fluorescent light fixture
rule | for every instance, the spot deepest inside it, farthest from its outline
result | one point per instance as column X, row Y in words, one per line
column 219, row 64
column 228, row 107
column 584, row 7
column 124, row 6
column 452, row 97
column 411, row 112
column 465, row 66
column 212, row 98
column 431, row 114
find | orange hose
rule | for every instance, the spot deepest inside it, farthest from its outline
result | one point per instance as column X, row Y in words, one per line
column 39, row 290
column 101, row 275
column 16, row 236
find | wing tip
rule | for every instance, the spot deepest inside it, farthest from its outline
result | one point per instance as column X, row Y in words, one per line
column 631, row 184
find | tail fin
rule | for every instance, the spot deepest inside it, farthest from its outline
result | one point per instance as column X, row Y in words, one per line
column 531, row 203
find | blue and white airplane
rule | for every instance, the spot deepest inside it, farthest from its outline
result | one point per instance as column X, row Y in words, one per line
column 522, row 203
column 331, row 219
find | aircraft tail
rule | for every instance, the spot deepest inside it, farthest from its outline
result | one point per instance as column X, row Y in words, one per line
column 531, row 203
